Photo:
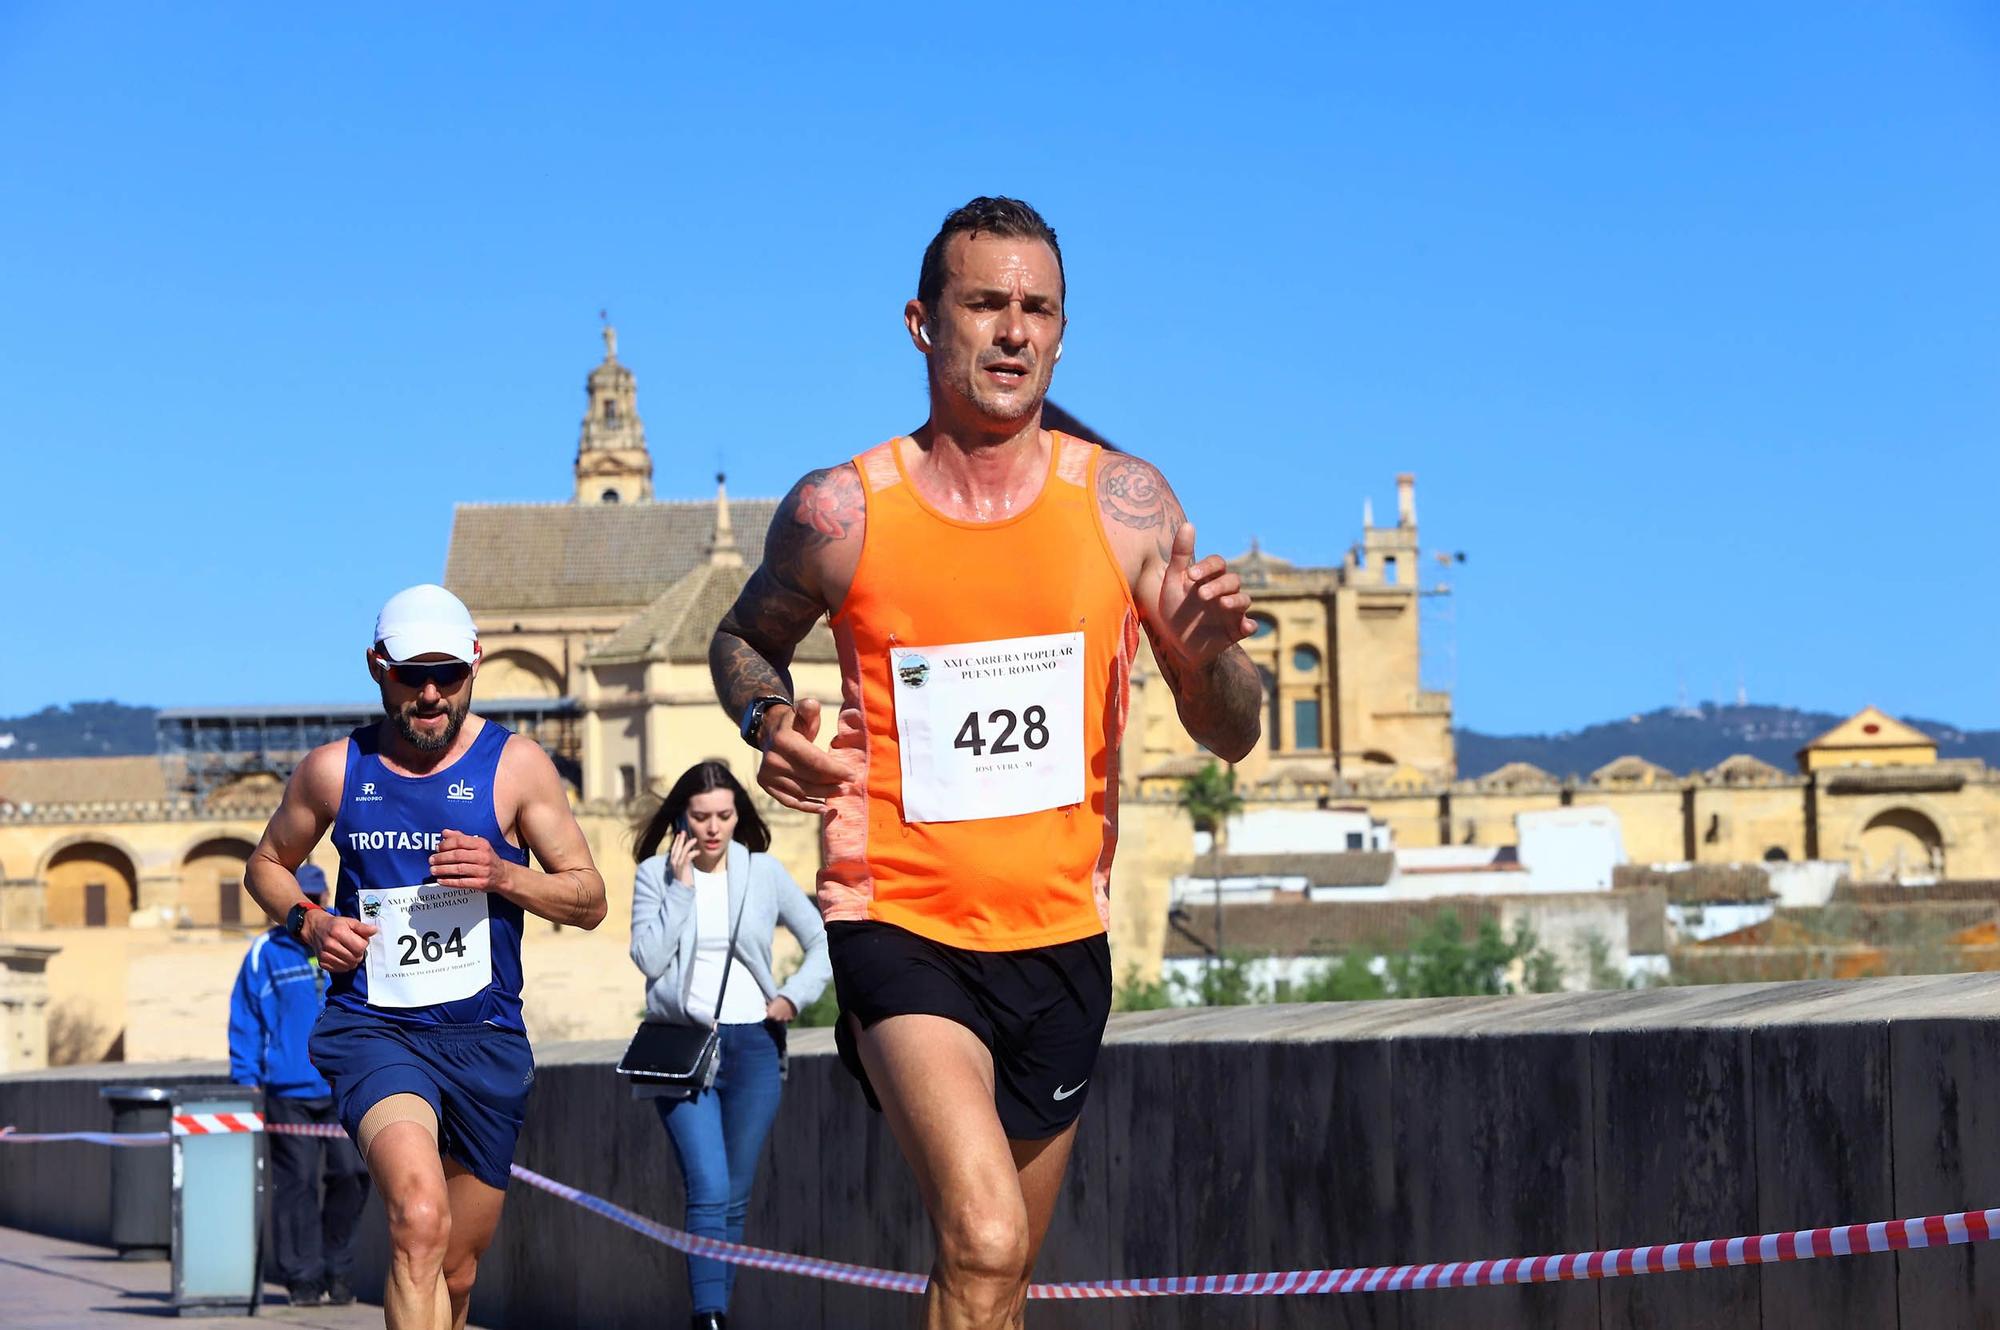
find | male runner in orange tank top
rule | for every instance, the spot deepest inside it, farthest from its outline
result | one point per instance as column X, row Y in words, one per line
column 986, row 581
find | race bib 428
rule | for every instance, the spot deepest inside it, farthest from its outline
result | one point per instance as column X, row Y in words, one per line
column 990, row 729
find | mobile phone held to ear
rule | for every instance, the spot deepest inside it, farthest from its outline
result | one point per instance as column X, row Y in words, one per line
column 682, row 826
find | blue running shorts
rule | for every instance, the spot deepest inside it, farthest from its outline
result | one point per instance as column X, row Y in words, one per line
column 474, row 1077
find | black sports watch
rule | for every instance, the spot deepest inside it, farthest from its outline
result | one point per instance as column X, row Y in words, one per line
column 753, row 717
column 295, row 920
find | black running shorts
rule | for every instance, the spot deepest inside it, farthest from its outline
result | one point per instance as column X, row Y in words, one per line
column 1040, row 1011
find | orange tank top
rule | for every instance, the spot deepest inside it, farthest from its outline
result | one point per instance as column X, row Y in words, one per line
column 984, row 677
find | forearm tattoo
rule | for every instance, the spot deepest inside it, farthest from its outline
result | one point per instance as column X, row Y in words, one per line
column 1221, row 704
column 751, row 653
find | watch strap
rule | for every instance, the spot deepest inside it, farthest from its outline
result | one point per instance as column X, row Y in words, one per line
column 753, row 716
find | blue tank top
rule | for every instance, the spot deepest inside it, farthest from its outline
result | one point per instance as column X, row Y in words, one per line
column 387, row 828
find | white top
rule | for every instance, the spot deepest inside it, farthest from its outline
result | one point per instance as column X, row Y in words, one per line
column 744, row 1003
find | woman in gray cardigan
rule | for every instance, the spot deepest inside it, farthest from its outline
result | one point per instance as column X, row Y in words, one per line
column 702, row 858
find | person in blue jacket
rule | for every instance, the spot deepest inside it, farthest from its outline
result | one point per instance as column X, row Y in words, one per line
column 277, row 999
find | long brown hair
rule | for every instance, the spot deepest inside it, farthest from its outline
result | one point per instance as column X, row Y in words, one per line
column 701, row 778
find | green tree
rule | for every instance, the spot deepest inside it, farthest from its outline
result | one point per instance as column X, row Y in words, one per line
column 1135, row 992
column 1443, row 962
column 1349, row 979
column 1226, row 982
column 1209, row 799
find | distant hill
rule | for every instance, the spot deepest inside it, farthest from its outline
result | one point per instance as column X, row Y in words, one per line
column 81, row 729
column 1691, row 739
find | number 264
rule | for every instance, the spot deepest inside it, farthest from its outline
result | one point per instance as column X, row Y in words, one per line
column 430, row 947
column 1033, row 724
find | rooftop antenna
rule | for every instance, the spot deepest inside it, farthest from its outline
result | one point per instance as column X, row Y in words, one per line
column 1444, row 622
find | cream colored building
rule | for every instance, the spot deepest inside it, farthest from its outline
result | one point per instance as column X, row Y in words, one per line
column 596, row 613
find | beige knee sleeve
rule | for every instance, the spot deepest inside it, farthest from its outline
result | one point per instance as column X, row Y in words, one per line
column 396, row 1108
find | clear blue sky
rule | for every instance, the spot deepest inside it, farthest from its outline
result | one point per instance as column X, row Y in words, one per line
column 1684, row 316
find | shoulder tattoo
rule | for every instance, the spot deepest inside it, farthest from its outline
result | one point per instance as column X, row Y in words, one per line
column 1133, row 493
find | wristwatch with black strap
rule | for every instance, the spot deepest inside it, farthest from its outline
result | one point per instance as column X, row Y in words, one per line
column 295, row 919
column 753, row 717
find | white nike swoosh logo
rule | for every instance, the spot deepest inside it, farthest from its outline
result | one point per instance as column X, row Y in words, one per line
column 1064, row 1094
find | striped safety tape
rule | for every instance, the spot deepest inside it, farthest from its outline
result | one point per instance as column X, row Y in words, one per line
column 213, row 1124
column 1764, row 1249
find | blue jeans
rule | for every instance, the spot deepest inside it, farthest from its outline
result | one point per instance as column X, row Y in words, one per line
column 719, row 1137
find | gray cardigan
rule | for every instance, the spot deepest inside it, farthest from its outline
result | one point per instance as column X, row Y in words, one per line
column 663, row 928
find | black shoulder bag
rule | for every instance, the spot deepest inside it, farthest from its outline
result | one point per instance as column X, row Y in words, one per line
column 678, row 1057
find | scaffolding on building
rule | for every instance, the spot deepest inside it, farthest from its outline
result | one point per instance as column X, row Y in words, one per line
column 207, row 749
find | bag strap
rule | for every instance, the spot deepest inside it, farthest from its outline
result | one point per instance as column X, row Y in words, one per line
column 729, row 959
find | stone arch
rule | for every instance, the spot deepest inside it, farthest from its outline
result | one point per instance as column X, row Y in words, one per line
column 513, row 672
column 58, row 847
column 1900, row 842
column 211, row 891
column 89, row 882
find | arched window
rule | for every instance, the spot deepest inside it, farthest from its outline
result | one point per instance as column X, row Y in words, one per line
column 89, row 886
column 1776, row 855
column 609, row 496
column 610, row 411
column 212, row 892
column 1305, row 659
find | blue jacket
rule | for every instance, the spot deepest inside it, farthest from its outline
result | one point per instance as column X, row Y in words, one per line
column 272, row 1010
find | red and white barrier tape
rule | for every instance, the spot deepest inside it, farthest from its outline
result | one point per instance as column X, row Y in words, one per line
column 1804, row 1244
column 211, row 1124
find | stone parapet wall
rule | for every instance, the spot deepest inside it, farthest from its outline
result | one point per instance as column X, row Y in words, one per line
column 1303, row 1136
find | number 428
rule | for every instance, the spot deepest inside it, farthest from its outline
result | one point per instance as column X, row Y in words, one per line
column 1033, row 724
column 430, row 947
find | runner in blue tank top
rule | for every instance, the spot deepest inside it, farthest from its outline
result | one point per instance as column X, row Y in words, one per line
column 434, row 812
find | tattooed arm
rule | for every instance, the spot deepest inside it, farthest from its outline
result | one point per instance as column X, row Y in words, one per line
column 1194, row 613
column 810, row 555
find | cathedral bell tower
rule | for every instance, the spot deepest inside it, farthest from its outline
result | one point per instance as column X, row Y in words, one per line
column 612, row 464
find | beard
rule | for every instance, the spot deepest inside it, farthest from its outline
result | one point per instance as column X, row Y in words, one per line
column 997, row 406
column 405, row 718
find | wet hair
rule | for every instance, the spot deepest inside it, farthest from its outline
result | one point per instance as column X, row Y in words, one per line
column 983, row 216
column 701, row 778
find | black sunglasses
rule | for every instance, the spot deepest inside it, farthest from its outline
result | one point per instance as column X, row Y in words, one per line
column 446, row 674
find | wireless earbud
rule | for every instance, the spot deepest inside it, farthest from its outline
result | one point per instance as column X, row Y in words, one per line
column 1058, row 350
column 923, row 335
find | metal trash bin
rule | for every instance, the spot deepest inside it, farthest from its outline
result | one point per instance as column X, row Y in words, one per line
column 142, row 1189
column 220, row 1160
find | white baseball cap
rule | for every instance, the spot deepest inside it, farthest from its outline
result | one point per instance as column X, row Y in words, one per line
column 425, row 620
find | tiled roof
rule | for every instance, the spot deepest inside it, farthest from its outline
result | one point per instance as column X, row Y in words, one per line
column 1951, row 889
column 1290, row 927
column 1875, row 925
column 1698, row 883
column 679, row 622
column 545, row 556
column 82, row 780
column 1313, row 928
column 1348, row 868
